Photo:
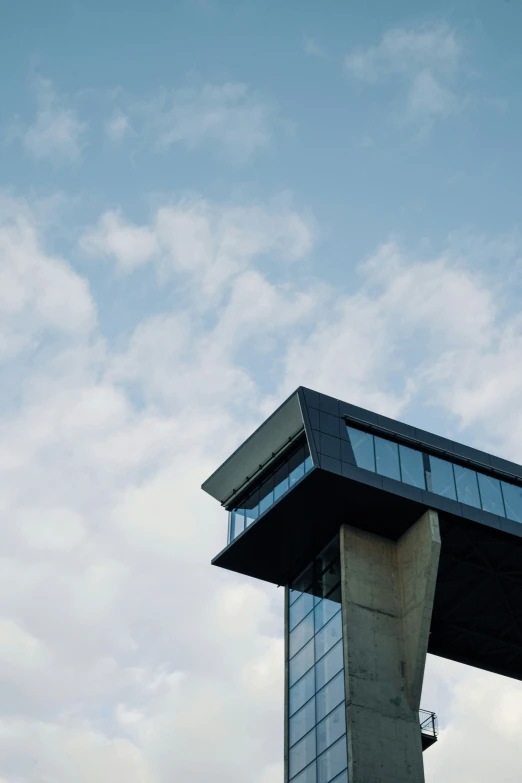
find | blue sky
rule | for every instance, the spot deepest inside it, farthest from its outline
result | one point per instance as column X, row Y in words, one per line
column 204, row 204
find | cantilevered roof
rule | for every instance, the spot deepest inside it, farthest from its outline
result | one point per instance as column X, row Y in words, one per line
column 257, row 451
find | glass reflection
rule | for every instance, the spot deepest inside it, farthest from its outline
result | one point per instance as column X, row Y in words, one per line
column 467, row 486
column 387, row 458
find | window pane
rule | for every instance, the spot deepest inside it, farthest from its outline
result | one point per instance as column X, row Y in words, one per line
column 343, row 777
column 467, row 486
column 302, row 722
column 281, row 481
column 328, row 636
column 300, row 609
column 301, row 692
column 324, row 611
column 330, row 696
column 308, row 775
column 266, row 494
column 308, row 465
column 301, row 662
column 513, row 501
column 442, row 481
column 491, row 495
column 412, row 467
column 362, row 445
column 301, row 634
column 331, row 728
column 387, row 458
column 296, row 466
column 304, row 580
column 328, row 666
column 301, row 754
column 238, row 521
column 332, row 762
column 252, row 507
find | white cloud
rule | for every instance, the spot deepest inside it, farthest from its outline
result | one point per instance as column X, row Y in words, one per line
column 117, row 127
column 196, row 237
column 312, row 48
column 425, row 60
column 38, row 291
column 56, row 132
column 123, row 652
column 228, row 116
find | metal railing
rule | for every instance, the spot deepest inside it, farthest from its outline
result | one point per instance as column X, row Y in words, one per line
column 429, row 723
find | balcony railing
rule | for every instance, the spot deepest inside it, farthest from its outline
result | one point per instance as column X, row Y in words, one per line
column 429, row 728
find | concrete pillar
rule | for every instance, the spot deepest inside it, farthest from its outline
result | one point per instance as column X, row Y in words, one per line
column 387, row 595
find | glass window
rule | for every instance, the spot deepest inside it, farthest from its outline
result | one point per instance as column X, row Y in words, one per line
column 442, row 480
column 252, row 507
column 331, row 728
column 301, row 754
column 301, row 691
column 412, row 467
column 342, row 778
column 304, row 580
column 387, row 458
column 324, row 611
column 362, row 445
column 328, row 666
column 296, row 466
column 301, row 662
column 302, row 633
column 300, row 609
column 266, row 494
column 281, row 481
column 467, row 486
column 330, row 696
column 308, row 775
column 512, row 501
column 308, row 465
column 238, row 521
column 332, row 762
column 491, row 494
column 302, row 722
column 328, row 635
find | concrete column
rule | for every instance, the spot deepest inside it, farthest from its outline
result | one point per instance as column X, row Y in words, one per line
column 387, row 596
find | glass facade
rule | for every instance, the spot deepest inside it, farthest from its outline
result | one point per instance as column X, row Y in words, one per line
column 316, row 699
column 441, row 476
column 272, row 487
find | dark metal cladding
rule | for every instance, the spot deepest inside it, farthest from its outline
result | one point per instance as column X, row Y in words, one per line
column 477, row 617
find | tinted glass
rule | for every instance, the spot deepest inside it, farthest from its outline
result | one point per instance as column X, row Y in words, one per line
column 324, row 611
column 308, row 775
column 332, row 762
column 491, row 495
column 252, row 507
column 301, row 634
column 281, row 481
column 300, row 608
column 342, row 778
column 303, row 581
column 442, row 481
column 328, row 666
column 330, row 696
column 302, row 722
column 329, row 635
column 331, row 728
column 362, row 445
column 301, row 691
column 266, row 494
column 296, row 466
column 238, row 521
column 301, row 754
column 308, row 464
column 467, row 486
column 512, row 501
column 412, row 467
column 301, row 662
column 387, row 458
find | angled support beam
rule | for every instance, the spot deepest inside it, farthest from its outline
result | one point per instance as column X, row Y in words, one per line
column 388, row 589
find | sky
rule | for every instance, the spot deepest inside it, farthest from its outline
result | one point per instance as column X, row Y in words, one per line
column 203, row 205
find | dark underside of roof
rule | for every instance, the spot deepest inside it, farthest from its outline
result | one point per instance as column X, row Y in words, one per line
column 477, row 617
